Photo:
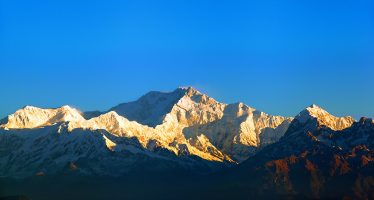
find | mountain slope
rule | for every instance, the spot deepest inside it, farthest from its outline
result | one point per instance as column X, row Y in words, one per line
column 323, row 118
column 241, row 130
column 187, row 135
column 33, row 117
column 183, row 124
column 312, row 160
column 178, row 117
column 151, row 108
column 54, row 150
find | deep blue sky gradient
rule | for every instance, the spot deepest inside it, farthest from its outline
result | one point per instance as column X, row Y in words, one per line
column 277, row 56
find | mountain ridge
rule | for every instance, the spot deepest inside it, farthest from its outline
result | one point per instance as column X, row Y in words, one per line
column 313, row 160
column 182, row 123
column 227, row 148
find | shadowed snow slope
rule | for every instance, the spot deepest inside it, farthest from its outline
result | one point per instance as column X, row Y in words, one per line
column 150, row 108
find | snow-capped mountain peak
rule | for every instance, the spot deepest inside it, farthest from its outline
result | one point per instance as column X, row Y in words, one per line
column 315, row 112
column 33, row 117
column 151, row 108
column 184, row 122
column 190, row 91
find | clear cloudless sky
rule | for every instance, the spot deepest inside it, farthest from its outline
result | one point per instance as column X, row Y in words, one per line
column 277, row 56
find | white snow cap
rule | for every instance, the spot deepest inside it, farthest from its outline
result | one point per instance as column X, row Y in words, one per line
column 324, row 118
column 33, row 117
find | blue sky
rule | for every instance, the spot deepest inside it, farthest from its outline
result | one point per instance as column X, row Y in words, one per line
column 277, row 56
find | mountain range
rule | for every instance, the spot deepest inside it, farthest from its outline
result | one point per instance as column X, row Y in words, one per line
column 236, row 148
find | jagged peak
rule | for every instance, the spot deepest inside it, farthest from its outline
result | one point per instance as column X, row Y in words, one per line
column 238, row 108
column 239, row 105
column 317, row 112
column 324, row 118
column 197, row 97
column 28, row 107
column 187, row 88
column 67, row 107
column 152, row 108
column 314, row 106
column 34, row 108
column 364, row 123
column 365, row 120
column 189, row 91
column 312, row 111
column 68, row 110
column 110, row 114
column 32, row 117
column 109, row 119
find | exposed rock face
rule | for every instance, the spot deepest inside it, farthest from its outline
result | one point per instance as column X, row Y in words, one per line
column 320, row 156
